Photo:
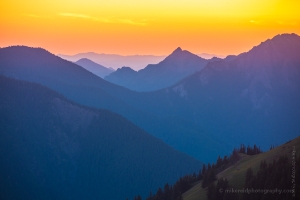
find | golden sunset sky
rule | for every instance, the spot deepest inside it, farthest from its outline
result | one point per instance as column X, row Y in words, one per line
column 153, row 27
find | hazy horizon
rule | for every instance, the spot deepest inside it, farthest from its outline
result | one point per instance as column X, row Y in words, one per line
column 203, row 55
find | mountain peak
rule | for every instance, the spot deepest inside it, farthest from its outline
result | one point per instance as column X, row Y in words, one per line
column 125, row 68
column 285, row 35
column 84, row 60
column 26, row 49
column 177, row 50
column 283, row 38
column 176, row 53
column 287, row 43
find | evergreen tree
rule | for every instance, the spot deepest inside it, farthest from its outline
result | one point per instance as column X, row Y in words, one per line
column 204, row 180
column 276, row 174
column 211, row 192
column 200, row 176
column 249, row 176
column 203, row 169
column 219, row 162
column 242, row 149
column 167, row 192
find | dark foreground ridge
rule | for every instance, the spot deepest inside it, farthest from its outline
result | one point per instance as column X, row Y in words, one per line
column 52, row 148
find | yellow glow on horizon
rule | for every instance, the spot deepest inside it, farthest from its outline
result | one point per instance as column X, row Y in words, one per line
column 146, row 27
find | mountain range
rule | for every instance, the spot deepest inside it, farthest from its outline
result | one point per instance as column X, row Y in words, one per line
column 116, row 61
column 39, row 66
column 244, row 97
column 95, row 68
column 53, row 148
column 172, row 69
column 59, row 148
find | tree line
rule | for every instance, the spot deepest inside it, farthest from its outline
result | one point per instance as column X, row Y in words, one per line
column 207, row 174
column 274, row 180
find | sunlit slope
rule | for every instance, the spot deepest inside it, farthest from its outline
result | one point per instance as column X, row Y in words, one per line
column 236, row 174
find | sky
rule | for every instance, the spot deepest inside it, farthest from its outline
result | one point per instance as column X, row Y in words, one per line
column 146, row 27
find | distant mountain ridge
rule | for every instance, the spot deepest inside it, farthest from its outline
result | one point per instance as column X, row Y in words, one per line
column 210, row 56
column 52, row 148
column 39, row 66
column 95, row 68
column 252, row 95
column 115, row 61
column 245, row 97
column 172, row 69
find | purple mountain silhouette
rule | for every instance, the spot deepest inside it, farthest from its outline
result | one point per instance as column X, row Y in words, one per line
column 95, row 68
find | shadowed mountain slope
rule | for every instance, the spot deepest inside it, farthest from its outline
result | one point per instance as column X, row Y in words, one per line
column 249, row 96
column 52, row 148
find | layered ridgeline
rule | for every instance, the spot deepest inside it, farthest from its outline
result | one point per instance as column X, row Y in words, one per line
column 241, row 98
column 95, row 68
column 172, row 69
column 52, row 148
column 245, row 97
column 76, row 83
column 116, row 61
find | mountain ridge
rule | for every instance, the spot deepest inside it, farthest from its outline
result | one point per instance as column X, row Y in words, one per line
column 93, row 67
column 240, row 97
column 225, row 103
column 57, row 149
column 85, row 88
column 116, row 61
column 173, row 68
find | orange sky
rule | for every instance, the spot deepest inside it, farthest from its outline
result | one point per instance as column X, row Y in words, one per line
column 154, row 27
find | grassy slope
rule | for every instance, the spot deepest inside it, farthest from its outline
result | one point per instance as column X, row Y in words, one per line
column 236, row 173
